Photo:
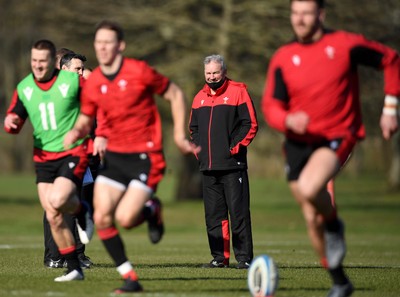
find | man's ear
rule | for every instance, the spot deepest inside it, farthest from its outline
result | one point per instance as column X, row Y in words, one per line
column 122, row 45
column 322, row 15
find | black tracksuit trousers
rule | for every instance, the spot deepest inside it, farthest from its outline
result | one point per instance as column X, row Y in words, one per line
column 226, row 198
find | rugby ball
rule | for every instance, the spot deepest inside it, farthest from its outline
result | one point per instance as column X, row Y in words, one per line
column 262, row 277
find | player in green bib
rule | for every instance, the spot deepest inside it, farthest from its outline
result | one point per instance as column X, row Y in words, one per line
column 50, row 98
column 52, row 112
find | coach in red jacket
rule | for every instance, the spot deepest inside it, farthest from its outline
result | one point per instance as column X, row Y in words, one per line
column 223, row 122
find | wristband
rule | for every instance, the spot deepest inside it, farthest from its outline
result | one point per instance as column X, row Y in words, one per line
column 389, row 111
column 390, row 106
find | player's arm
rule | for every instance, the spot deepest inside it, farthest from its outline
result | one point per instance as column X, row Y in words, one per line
column 16, row 115
column 101, row 134
column 81, row 129
column 274, row 104
column 379, row 56
column 389, row 121
column 175, row 96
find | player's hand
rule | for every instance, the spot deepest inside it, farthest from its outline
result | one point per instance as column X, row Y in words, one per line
column 186, row 147
column 297, row 122
column 12, row 121
column 99, row 146
column 70, row 138
column 389, row 125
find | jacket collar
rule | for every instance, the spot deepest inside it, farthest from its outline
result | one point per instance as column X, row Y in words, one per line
column 221, row 90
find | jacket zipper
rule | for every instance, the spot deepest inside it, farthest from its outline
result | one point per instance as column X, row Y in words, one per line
column 209, row 136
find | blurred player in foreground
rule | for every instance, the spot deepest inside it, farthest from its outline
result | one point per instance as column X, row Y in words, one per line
column 312, row 96
column 133, row 165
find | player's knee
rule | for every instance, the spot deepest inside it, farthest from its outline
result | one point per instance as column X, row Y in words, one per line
column 124, row 222
column 57, row 200
column 54, row 218
column 102, row 221
column 307, row 192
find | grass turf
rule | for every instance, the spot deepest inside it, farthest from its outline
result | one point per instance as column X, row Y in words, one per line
column 172, row 268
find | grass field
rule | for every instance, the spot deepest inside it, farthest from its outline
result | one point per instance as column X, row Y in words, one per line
column 172, row 268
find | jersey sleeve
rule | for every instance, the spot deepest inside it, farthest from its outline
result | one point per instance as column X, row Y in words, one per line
column 88, row 97
column 374, row 54
column 275, row 97
column 16, row 107
column 157, row 82
column 102, row 129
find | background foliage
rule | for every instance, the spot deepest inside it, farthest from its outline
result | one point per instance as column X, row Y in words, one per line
column 174, row 36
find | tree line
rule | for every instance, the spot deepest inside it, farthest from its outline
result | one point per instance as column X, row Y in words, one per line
column 174, row 36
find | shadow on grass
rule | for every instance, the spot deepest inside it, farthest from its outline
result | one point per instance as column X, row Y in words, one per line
column 168, row 265
column 198, row 266
column 345, row 266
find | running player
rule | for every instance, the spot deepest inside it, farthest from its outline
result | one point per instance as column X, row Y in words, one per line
column 49, row 98
column 134, row 164
column 312, row 96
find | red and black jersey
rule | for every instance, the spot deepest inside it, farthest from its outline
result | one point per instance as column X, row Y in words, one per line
column 321, row 79
column 223, row 125
column 126, row 102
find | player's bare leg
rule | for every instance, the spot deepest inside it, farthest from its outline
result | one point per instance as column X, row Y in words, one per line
column 107, row 196
column 311, row 188
column 57, row 198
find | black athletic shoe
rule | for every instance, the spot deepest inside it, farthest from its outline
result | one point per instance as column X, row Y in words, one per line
column 341, row 290
column 217, row 264
column 84, row 261
column 59, row 263
column 155, row 222
column 129, row 286
column 84, row 223
column 243, row 265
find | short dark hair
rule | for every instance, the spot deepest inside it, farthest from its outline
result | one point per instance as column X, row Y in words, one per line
column 66, row 59
column 320, row 3
column 45, row 44
column 111, row 25
column 63, row 51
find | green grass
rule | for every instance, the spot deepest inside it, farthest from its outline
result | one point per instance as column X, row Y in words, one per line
column 171, row 268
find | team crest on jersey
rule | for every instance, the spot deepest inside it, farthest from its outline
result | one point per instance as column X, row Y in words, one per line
column 28, row 93
column 296, row 60
column 330, row 52
column 64, row 89
column 103, row 89
column 226, row 100
column 122, row 84
column 202, row 102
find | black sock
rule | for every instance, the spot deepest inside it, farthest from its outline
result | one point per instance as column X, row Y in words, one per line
column 72, row 261
column 116, row 249
column 338, row 276
column 147, row 212
column 332, row 225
